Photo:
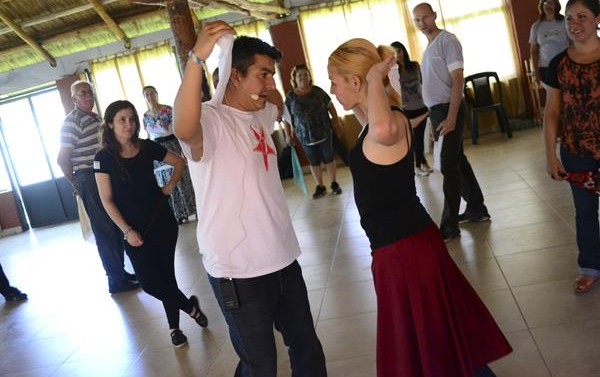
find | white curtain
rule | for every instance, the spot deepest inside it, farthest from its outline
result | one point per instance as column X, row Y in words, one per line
column 123, row 77
column 379, row 21
column 482, row 26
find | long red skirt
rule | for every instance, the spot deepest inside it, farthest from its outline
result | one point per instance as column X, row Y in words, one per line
column 430, row 321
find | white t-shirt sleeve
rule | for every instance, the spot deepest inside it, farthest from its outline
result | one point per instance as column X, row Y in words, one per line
column 454, row 57
column 209, row 121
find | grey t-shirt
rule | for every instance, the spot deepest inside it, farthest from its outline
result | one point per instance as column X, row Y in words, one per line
column 551, row 36
column 442, row 56
column 410, row 85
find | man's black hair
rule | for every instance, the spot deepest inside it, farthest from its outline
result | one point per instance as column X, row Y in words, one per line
column 244, row 49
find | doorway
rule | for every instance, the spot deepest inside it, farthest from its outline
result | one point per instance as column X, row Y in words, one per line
column 30, row 140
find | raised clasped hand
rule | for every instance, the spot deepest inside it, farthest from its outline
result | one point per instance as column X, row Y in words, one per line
column 380, row 70
column 208, row 37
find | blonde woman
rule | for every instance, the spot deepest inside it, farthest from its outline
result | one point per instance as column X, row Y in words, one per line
column 430, row 321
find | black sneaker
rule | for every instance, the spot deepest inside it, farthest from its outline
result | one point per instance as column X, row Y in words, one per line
column 320, row 192
column 450, row 233
column 477, row 217
column 14, row 294
column 178, row 338
column 124, row 286
column 335, row 188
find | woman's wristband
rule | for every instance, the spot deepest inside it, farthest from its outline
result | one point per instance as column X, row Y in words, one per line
column 125, row 233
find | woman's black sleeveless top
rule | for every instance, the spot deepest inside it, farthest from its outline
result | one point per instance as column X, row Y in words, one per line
column 386, row 197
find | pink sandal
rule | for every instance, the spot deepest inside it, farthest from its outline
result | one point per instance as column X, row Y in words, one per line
column 585, row 283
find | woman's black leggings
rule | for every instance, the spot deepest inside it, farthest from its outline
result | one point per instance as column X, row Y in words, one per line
column 418, row 135
column 154, row 264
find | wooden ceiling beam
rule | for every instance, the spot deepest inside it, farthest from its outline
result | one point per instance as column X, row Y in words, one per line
column 257, row 10
column 112, row 25
column 27, row 38
column 55, row 16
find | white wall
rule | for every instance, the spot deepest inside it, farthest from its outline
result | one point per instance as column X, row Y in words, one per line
column 42, row 73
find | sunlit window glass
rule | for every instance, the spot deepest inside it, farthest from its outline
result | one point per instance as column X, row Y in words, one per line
column 24, row 142
column 50, row 115
column 4, row 179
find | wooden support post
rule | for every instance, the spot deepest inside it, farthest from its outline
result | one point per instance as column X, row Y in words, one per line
column 182, row 27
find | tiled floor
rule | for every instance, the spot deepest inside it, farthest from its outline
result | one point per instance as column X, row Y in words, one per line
column 522, row 263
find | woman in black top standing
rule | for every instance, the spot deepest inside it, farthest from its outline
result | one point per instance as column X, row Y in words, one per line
column 139, row 207
column 413, row 105
column 430, row 321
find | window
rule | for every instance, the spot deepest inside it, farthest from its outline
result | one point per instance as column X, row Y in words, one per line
column 4, row 179
column 384, row 21
column 31, row 129
column 123, row 77
column 470, row 21
column 376, row 20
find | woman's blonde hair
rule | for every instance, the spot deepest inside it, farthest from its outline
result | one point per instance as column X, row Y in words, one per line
column 356, row 56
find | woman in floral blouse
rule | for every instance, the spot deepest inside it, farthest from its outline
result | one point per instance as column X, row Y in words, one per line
column 158, row 123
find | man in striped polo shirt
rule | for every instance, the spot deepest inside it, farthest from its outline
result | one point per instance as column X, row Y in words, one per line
column 79, row 142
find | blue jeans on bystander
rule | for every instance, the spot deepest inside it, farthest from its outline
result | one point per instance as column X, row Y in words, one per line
column 109, row 239
column 586, row 214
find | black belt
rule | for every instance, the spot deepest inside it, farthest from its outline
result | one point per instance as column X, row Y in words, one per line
column 445, row 105
column 165, row 138
column 84, row 171
column 439, row 106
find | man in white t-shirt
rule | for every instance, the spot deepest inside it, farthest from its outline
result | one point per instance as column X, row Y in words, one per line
column 245, row 234
column 443, row 84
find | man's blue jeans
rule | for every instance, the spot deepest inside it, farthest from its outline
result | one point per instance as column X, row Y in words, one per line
column 586, row 214
column 109, row 239
column 278, row 299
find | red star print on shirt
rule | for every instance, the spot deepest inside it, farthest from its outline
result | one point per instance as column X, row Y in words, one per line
column 262, row 146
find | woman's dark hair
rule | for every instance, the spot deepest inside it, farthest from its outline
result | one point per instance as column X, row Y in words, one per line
column 109, row 141
column 557, row 8
column 409, row 65
column 149, row 87
column 244, row 49
column 299, row 67
column 592, row 5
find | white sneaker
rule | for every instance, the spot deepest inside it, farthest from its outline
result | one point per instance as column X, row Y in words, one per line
column 421, row 172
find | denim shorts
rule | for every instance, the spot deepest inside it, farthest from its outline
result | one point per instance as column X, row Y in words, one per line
column 317, row 154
